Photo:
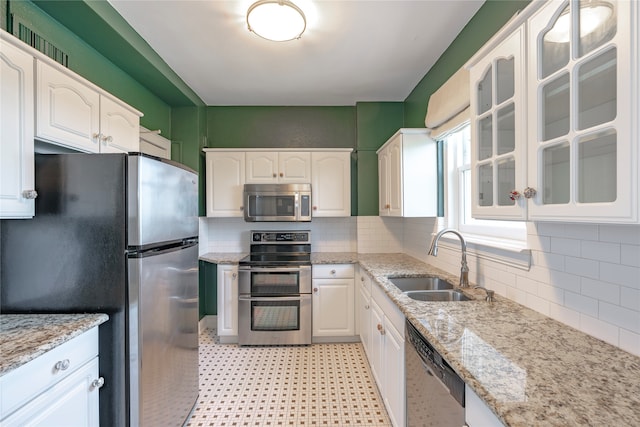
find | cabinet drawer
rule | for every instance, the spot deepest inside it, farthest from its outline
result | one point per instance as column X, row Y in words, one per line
column 333, row 271
column 23, row 384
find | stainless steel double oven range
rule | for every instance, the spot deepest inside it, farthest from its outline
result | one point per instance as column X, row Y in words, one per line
column 274, row 289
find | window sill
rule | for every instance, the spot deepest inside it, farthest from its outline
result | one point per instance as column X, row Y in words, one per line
column 507, row 252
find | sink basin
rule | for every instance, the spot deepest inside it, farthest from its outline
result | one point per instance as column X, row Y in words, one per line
column 442, row 295
column 425, row 283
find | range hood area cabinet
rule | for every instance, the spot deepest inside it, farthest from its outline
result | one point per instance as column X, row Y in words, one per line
column 554, row 116
column 408, row 175
column 328, row 171
column 43, row 100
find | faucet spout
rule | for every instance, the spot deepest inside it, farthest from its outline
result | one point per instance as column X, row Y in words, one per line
column 464, row 268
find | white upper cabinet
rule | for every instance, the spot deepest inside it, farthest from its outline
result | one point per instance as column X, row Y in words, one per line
column 76, row 115
column 331, row 183
column 225, row 177
column 16, row 133
column 407, row 175
column 583, row 91
column 498, row 126
column 581, row 99
column 278, row 167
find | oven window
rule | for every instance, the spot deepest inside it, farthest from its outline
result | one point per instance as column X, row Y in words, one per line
column 275, row 316
column 275, row 283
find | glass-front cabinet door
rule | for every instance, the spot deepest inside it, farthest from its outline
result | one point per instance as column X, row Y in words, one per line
column 498, row 131
column 582, row 103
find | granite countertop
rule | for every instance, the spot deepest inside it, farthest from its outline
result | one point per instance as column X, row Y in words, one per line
column 23, row 337
column 530, row 369
column 223, row 257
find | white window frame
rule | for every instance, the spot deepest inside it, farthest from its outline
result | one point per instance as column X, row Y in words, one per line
column 501, row 241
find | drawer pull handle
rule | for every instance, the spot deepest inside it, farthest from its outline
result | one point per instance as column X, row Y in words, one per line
column 62, row 365
column 333, row 272
column 97, row 383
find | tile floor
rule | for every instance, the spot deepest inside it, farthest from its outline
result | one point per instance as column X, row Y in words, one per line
column 317, row 385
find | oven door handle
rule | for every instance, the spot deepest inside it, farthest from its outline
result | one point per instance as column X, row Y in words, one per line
column 273, row 269
column 272, row 299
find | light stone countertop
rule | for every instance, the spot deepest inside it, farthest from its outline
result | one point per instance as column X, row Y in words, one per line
column 528, row 368
column 23, row 337
column 223, row 257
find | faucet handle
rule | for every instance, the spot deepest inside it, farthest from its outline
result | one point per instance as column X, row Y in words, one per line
column 490, row 293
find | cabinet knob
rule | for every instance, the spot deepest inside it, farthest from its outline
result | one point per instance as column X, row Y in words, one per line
column 62, row 365
column 234, row 275
column 514, row 195
column 333, row 272
column 29, row 194
column 529, row 192
column 241, row 208
column 274, row 175
column 315, row 208
column 380, row 329
column 106, row 139
column 362, row 278
column 366, row 307
column 281, row 174
column 97, row 136
column 387, row 206
column 97, row 383
column 315, row 290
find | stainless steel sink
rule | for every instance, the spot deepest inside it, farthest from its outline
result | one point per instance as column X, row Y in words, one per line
column 442, row 295
column 425, row 283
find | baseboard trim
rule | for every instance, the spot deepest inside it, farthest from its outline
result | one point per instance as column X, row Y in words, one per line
column 207, row 322
column 330, row 340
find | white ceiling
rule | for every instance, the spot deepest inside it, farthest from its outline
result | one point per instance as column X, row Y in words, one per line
column 351, row 51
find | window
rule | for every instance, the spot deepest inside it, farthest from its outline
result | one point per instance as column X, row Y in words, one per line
column 457, row 146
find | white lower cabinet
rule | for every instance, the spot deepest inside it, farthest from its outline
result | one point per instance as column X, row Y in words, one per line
column 386, row 354
column 227, row 303
column 363, row 310
column 59, row 388
column 333, row 301
column 477, row 413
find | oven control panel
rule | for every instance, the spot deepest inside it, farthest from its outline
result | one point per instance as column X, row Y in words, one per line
column 298, row 236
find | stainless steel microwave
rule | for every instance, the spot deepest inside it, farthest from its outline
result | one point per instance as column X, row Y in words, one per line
column 277, row 202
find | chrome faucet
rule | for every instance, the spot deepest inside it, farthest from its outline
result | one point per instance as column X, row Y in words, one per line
column 464, row 269
column 489, row 297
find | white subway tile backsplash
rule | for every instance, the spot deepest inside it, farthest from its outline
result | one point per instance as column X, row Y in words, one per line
column 630, row 341
column 565, row 315
column 564, row 246
column 629, row 234
column 630, row 298
column 573, row 231
column 551, row 293
column 581, row 303
column 600, row 290
column 599, row 251
column 630, row 255
column 527, row 285
column 599, row 329
column 582, row 267
column 620, row 274
column 549, row 260
column 620, row 316
column 538, row 304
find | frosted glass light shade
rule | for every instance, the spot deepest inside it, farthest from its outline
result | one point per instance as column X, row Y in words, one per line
column 277, row 20
column 591, row 17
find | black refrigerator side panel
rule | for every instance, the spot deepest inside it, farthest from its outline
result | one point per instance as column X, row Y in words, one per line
column 71, row 257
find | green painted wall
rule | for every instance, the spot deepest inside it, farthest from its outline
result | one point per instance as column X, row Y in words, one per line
column 484, row 24
column 208, row 289
column 90, row 64
column 375, row 123
column 281, row 127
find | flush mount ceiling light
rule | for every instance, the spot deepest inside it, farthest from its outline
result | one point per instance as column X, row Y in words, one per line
column 592, row 16
column 277, row 20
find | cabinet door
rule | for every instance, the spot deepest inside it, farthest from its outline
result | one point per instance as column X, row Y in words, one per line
column 394, row 390
column 119, row 128
column 227, row 300
column 395, row 178
column 331, row 184
column 73, row 402
column 333, row 308
column 68, row 112
column 377, row 345
column 383, row 183
column 364, row 312
column 294, row 167
column 262, row 167
column 16, row 133
column 224, row 184
column 583, row 87
column 498, row 132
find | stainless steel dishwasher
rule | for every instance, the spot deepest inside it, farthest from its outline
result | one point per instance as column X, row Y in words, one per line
column 435, row 393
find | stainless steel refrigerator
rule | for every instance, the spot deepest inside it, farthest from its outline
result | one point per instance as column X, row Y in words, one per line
column 117, row 234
